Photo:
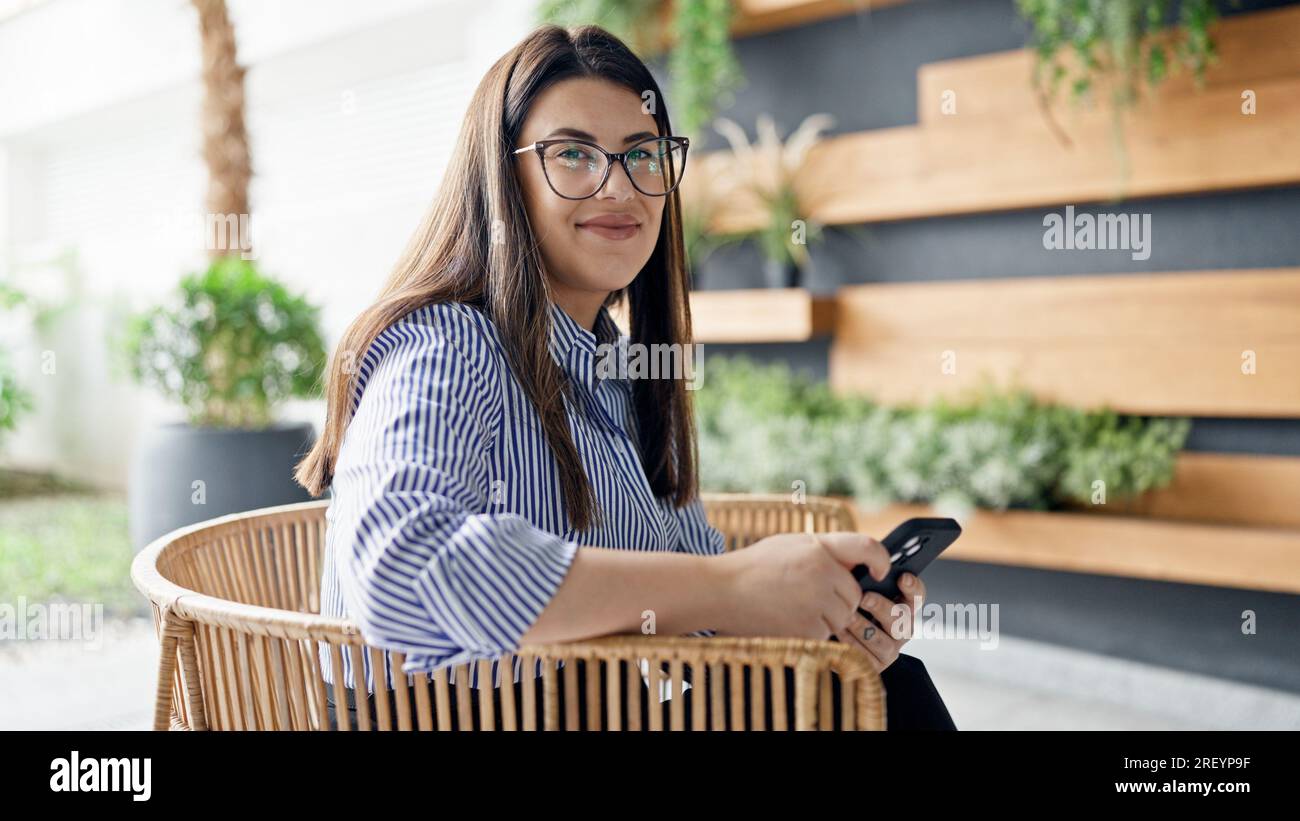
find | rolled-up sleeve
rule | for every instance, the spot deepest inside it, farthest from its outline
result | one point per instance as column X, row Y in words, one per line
column 426, row 573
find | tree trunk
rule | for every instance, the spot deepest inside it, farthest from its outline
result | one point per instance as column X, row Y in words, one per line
column 225, row 139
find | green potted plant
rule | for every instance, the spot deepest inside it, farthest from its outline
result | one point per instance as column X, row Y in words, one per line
column 229, row 348
column 769, row 169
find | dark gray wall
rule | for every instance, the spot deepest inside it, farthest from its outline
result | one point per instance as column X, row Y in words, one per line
column 863, row 71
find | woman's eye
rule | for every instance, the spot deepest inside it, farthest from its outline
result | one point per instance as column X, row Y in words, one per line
column 644, row 160
column 572, row 156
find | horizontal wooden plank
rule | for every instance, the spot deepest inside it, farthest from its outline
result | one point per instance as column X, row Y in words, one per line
column 759, row 16
column 1229, row 305
column 1222, row 556
column 1179, row 145
column 1169, row 344
column 1167, row 382
column 762, row 16
column 757, row 315
column 1252, row 48
column 1222, row 488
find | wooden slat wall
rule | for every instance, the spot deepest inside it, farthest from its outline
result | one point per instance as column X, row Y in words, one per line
column 1160, row 344
column 1179, row 142
column 1251, row 558
column 1167, row 344
column 1253, row 48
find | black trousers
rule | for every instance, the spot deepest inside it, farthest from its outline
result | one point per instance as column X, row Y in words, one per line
column 911, row 701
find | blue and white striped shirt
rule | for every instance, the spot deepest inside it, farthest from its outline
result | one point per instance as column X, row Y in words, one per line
column 446, row 536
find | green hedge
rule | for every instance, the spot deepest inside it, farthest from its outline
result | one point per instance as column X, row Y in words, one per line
column 764, row 428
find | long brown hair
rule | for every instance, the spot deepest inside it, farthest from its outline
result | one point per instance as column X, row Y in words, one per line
column 453, row 257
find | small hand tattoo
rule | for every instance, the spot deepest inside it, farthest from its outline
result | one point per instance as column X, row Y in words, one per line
column 867, row 633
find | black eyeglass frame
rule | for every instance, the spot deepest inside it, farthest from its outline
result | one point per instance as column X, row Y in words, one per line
column 610, row 156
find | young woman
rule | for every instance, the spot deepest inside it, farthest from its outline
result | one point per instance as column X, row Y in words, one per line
column 492, row 484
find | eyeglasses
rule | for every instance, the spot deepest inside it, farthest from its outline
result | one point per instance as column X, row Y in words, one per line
column 577, row 169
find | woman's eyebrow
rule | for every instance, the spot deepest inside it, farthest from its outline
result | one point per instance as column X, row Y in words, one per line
column 583, row 135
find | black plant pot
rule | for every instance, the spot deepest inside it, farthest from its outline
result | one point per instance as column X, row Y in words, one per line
column 781, row 274
column 238, row 470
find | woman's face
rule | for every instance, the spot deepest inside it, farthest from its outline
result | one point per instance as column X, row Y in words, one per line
column 585, row 261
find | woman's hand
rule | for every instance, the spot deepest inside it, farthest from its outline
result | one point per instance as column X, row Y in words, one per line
column 798, row 584
column 802, row 585
column 895, row 621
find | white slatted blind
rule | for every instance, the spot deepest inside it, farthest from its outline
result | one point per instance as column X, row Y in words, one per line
column 385, row 141
column 343, row 174
column 117, row 187
column 341, row 178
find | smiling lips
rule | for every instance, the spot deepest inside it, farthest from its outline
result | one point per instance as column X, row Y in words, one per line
column 612, row 226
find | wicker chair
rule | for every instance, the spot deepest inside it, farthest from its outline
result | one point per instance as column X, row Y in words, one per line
column 236, row 602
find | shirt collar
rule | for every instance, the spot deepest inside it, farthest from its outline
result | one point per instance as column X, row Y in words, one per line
column 576, row 349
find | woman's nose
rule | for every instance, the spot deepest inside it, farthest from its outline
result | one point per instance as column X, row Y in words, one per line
column 618, row 185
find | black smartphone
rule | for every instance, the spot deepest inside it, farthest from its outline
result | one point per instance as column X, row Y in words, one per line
column 911, row 546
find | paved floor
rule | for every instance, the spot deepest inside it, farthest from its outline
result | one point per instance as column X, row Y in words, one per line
column 65, row 685
column 1020, row 685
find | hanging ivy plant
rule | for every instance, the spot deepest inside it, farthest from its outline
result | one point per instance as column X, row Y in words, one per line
column 1120, row 43
column 1115, row 38
column 702, row 64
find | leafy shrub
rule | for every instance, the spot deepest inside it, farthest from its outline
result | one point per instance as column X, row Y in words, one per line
column 763, row 427
column 232, row 346
column 14, row 400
